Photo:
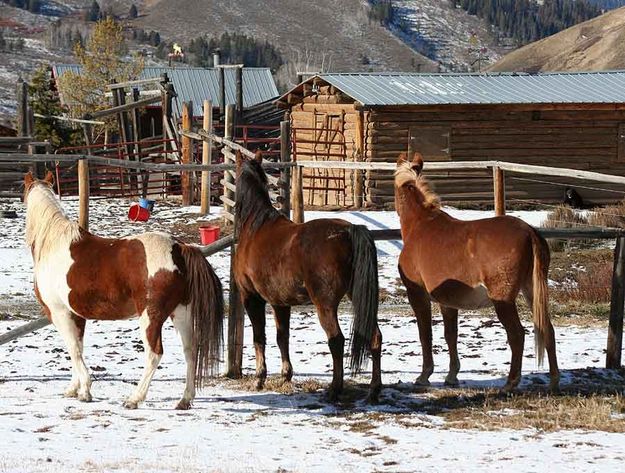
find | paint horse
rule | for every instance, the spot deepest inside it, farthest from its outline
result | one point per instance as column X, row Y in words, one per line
column 284, row 264
column 469, row 265
column 80, row 276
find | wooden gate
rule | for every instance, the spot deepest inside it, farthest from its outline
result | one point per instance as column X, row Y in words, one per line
column 324, row 141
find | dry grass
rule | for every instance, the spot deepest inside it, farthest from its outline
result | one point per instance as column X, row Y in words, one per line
column 564, row 217
column 609, row 216
column 492, row 411
column 594, row 285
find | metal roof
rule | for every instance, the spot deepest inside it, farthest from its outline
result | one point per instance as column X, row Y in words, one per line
column 198, row 84
column 388, row 89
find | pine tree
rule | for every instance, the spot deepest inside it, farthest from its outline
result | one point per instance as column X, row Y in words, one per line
column 94, row 13
column 43, row 100
column 133, row 13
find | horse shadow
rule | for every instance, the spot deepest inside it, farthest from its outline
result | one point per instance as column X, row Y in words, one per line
column 407, row 397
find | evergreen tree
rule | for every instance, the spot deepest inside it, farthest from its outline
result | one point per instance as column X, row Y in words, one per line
column 44, row 100
column 133, row 13
column 94, row 13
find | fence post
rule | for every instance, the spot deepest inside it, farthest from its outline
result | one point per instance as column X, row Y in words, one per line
column 499, row 189
column 207, row 150
column 617, row 303
column 285, row 174
column 297, row 194
column 187, row 153
column 229, row 176
column 83, row 193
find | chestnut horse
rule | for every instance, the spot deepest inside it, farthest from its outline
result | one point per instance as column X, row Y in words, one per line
column 469, row 265
column 80, row 276
column 285, row 264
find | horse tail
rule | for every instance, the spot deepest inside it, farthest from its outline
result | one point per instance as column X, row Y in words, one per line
column 207, row 311
column 364, row 294
column 540, row 294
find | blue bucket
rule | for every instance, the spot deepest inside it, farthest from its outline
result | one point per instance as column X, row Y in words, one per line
column 146, row 204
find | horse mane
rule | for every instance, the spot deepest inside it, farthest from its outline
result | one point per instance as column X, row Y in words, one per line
column 404, row 174
column 47, row 226
column 253, row 205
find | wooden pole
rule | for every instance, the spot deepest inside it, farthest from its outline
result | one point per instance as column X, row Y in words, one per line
column 297, row 194
column 222, row 93
column 499, row 189
column 187, row 152
column 617, row 303
column 235, row 308
column 22, row 108
column 229, row 175
column 83, row 193
column 285, row 174
column 207, row 146
column 359, row 156
column 239, row 92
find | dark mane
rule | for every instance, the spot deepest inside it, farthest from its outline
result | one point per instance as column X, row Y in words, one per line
column 253, row 205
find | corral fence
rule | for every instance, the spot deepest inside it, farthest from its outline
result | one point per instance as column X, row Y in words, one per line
column 290, row 195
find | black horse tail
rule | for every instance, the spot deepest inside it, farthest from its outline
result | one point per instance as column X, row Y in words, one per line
column 364, row 294
column 207, row 312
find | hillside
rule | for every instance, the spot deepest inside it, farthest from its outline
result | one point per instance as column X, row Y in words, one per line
column 324, row 34
column 593, row 45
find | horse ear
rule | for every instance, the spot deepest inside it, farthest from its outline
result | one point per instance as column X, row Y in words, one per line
column 49, row 178
column 28, row 179
column 403, row 157
column 417, row 162
column 258, row 156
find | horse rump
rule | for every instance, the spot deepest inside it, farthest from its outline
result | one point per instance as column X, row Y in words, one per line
column 207, row 310
column 364, row 294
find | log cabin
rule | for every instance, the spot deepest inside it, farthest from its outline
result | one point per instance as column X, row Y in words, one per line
column 571, row 120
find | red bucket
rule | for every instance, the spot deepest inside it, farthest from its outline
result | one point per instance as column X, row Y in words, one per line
column 209, row 234
column 136, row 213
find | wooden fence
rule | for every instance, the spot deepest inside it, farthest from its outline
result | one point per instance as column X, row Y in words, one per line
column 291, row 195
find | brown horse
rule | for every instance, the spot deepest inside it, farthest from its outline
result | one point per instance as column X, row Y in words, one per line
column 468, row 265
column 80, row 276
column 285, row 264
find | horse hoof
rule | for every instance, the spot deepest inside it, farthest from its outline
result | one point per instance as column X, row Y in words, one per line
column 451, row 382
column 422, row 382
column 554, row 388
column 131, row 404
column 333, row 395
column 260, row 384
column 184, row 405
column 85, row 397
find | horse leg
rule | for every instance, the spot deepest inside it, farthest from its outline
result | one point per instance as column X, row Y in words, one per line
column 283, row 319
column 376, row 370
column 151, row 327
column 420, row 302
column 328, row 318
column 509, row 318
column 255, row 307
column 550, row 343
column 450, row 320
column 183, row 323
column 72, row 329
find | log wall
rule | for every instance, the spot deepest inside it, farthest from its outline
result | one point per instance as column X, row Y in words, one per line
column 578, row 138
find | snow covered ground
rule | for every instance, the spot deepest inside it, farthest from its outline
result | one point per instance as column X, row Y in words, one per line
column 234, row 429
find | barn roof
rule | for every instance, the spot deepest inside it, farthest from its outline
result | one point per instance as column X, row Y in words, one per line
column 396, row 89
column 199, row 84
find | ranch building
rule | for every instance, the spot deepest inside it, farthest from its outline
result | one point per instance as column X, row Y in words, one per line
column 572, row 120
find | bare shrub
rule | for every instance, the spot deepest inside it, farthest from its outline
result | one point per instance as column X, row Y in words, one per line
column 594, row 285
